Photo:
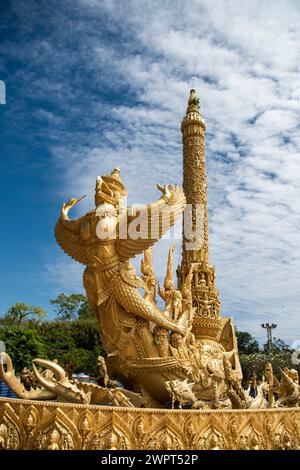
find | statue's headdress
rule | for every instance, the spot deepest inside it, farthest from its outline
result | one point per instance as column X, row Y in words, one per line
column 110, row 189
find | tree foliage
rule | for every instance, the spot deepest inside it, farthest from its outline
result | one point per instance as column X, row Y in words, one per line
column 72, row 339
column 277, row 346
column 253, row 359
column 76, row 345
column 72, row 307
column 22, row 344
column 246, row 343
column 19, row 311
column 254, row 364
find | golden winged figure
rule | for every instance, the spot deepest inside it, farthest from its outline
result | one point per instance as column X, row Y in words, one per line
column 104, row 240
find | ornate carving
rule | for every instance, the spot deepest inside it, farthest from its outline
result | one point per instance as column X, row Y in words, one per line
column 205, row 296
column 56, row 432
column 9, row 429
column 185, row 352
column 74, row 426
column 61, row 388
column 289, row 388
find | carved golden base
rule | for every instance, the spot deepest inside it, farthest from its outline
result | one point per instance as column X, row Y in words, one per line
column 26, row 424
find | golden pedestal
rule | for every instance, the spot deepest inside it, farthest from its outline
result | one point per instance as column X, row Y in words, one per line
column 27, row 424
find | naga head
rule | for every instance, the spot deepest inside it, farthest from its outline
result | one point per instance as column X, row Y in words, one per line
column 60, row 384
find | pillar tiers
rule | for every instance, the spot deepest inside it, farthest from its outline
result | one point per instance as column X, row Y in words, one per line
column 205, row 295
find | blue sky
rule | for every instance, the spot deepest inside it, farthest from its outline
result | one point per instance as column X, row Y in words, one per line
column 94, row 84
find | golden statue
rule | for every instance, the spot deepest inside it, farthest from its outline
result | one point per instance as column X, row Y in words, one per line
column 149, row 348
column 186, row 349
column 182, row 355
column 148, row 276
column 145, row 345
column 102, row 241
column 182, row 392
column 105, row 239
column 54, row 384
column 289, row 389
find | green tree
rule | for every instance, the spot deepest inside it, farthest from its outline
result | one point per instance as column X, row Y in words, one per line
column 19, row 311
column 71, row 307
column 75, row 344
column 255, row 363
column 278, row 346
column 247, row 344
column 85, row 311
column 23, row 345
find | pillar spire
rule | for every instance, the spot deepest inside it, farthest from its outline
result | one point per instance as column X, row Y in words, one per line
column 205, row 295
column 194, row 180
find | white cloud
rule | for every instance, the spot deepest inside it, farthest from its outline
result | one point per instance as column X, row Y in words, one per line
column 63, row 275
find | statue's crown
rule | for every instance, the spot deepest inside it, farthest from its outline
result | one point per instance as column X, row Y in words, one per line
column 110, row 188
column 114, row 180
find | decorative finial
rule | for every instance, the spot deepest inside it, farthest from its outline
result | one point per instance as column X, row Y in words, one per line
column 193, row 99
column 116, row 171
column 193, row 103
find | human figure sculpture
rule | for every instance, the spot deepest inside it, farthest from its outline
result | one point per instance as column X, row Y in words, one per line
column 103, row 374
column 148, row 276
column 168, row 292
column 53, row 440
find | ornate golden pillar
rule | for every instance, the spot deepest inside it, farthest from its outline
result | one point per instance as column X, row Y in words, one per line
column 207, row 321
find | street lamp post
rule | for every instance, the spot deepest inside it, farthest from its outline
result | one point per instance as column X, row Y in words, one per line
column 269, row 327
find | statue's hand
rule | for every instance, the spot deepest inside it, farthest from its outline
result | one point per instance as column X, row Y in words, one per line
column 168, row 192
column 181, row 330
column 68, row 205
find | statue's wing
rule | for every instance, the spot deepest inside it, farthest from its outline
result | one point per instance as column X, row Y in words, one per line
column 152, row 222
column 70, row 243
